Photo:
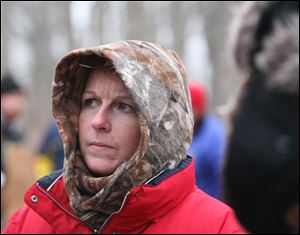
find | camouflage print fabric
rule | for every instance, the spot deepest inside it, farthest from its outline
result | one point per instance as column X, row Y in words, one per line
column 156, row 79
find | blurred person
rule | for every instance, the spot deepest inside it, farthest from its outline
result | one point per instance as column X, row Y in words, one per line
column 261, row 173
column 208, row 144
column 14, row 151
column 12, row 106
column 50, row 153
column 124, row 113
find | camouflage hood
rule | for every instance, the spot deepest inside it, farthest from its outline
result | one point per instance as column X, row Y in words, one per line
column 156, row 79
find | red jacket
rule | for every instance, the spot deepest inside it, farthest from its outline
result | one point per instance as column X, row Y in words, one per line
column 171, row 203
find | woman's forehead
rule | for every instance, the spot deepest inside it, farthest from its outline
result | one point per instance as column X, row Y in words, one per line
column 106, row 81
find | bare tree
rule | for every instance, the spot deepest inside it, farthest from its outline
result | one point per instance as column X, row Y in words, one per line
column 139, row 25
column 179, row 20
column 217, row 16
column 64, row 8
column 97, row 22
column 5, row 34
column 42, row 67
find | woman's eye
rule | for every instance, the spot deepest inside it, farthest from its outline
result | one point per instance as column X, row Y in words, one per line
column 90, row 103
column 125, row 107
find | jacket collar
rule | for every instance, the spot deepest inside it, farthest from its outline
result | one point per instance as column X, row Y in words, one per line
column 49, row 199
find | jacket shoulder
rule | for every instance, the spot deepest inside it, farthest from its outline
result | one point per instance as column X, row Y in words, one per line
column 49, row 180
column 198, row 213
column 209, row 215
column 25, row 220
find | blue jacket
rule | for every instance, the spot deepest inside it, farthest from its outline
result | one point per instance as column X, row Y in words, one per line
column 208, row 148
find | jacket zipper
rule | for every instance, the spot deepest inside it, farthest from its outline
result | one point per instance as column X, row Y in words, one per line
column 98, row 231
column 114, row 213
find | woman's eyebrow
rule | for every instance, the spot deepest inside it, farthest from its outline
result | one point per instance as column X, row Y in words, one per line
column 128, row 97
column 89, row 92
column 118, row 96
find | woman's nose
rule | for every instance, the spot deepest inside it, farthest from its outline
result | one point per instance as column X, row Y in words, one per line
column 101, row 120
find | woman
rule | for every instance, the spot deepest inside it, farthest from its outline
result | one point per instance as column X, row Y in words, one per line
column 124, row 114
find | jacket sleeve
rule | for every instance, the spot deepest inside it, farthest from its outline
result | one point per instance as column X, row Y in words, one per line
column 25, row 220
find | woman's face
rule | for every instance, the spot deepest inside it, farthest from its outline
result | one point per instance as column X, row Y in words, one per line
column 109, row 130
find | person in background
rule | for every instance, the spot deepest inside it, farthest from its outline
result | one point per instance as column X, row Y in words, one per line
column 208, row 144
column 12, row 107
column 16, row 156
column 124, row 113
column 261, row 171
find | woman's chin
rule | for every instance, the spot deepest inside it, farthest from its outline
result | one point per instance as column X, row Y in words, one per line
column 102, row 171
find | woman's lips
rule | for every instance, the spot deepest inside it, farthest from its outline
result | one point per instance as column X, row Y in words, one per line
column 98, row 146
